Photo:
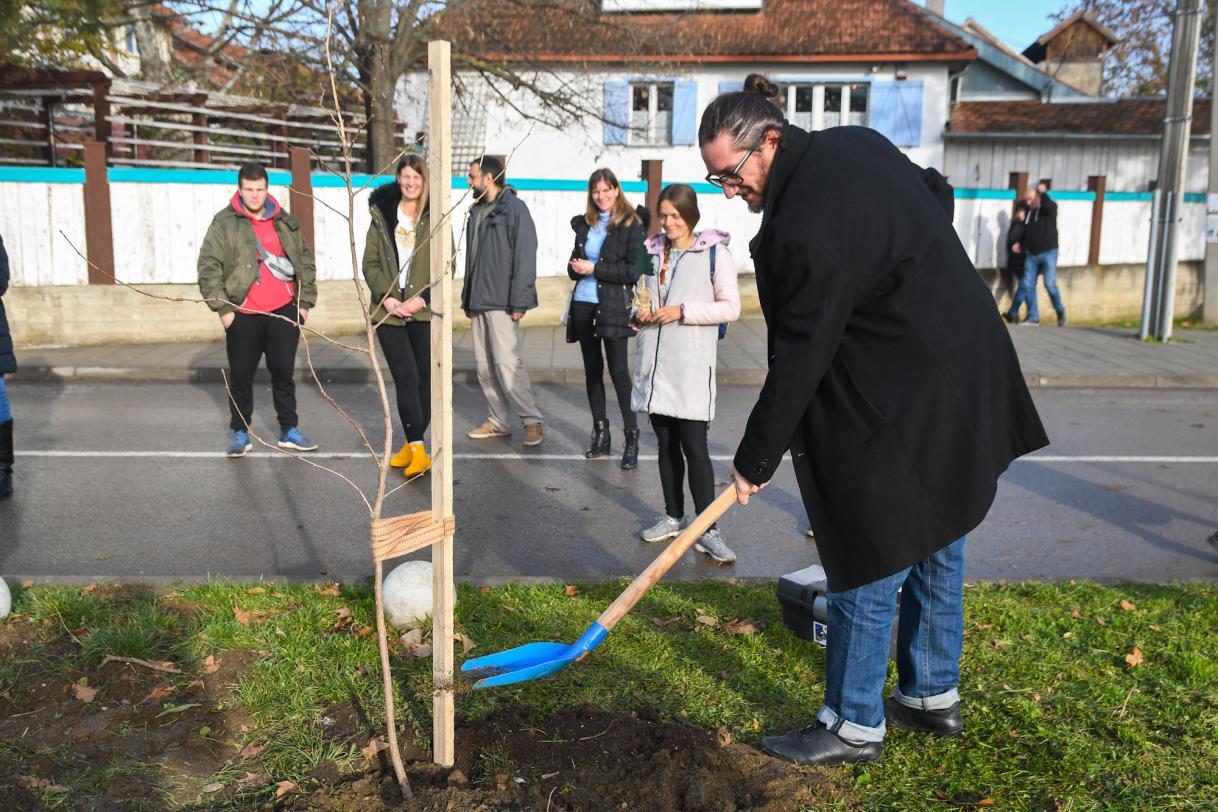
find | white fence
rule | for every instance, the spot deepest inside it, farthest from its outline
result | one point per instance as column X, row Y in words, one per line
column 159, row 226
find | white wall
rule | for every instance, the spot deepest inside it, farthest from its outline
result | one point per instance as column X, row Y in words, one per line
column 158, row 228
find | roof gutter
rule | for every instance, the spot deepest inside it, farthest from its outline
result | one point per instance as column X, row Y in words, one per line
column 898, row 56
column 1050, row 136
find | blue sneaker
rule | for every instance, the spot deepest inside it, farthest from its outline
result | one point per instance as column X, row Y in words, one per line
column 294, row 440
column 240, row 445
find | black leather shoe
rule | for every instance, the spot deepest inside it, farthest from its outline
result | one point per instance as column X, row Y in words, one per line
column 630, row 450
column 946, row 722
column 816, row 745
column 599, row 445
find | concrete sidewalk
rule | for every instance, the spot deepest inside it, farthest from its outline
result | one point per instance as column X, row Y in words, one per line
column 1051, row 357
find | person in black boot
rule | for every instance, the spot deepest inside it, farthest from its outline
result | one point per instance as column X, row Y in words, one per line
column 8, row 364
column 605, row 264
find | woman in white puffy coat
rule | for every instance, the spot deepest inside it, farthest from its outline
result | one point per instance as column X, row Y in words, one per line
column 692, row 292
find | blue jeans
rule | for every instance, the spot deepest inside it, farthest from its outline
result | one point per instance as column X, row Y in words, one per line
column 6, row 412
column 930, row 635
column 1044, row 263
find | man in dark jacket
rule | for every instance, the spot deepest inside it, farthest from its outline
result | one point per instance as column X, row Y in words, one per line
column 8, row 365
column 500, row 287
column 894, row 385
column 1040, row 250
column 257, row 273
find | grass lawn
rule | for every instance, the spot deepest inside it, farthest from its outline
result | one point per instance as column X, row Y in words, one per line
column 1077, row 695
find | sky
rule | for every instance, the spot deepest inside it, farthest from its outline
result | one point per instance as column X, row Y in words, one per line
column 1017, row 23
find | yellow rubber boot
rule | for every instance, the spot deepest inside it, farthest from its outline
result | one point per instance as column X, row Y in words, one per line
column 403, row 457
column 420, row 462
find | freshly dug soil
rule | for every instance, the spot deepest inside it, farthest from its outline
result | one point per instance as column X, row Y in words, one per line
column 584, row 760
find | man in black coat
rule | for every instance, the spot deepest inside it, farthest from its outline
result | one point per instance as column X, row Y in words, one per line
column 8, row 365
column 896, row 388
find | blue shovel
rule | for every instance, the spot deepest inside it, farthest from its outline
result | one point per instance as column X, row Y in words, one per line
column 537, row 660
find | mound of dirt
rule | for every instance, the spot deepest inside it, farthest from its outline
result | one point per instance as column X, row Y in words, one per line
column 582, row 760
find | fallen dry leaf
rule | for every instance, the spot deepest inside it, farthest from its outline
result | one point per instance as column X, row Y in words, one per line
column 1076, row 614
column 343, row 612
column 666, row 621
column 83, row 692
column 210, row 664
column 1134, row 658
column 723, row 736
column 412, row 638
column 987, row 802
column 278, row 595
column 486, row 590
column 1128, row 606
column 1154, row 628
column 250, row 780
column 242, row 616
column 197, row 683
column 363, row 630
column 89, row 588
column 466, row 643
column 571, row 590
column 330, row 589
column 27, row 583
column 158, row 693
column 374, row 746
column 419, row 652
column 284, row 787
column 1067, row 635
column 215, row 786
column 706, row 620
column 735, row 627
column 509, row 609
column 250, row 750
column 255, row 591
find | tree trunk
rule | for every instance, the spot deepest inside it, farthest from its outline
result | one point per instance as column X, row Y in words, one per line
column 154, row 60
column 373, row 50
column 382, row 144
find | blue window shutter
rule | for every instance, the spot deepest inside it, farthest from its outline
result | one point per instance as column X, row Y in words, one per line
column 616, row 112
column 730, row 87
column 896, row 111
column 684, row 113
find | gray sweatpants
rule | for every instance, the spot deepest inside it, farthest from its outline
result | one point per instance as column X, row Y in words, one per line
column 499, row 355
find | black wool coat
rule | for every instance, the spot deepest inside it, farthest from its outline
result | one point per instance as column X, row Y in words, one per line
column 617, row 270
column 8, row 361
column 892, row 380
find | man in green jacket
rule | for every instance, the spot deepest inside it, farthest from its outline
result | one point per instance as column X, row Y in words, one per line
column 257, row 273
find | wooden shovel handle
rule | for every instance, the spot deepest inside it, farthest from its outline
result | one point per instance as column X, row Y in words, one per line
column 656, row 570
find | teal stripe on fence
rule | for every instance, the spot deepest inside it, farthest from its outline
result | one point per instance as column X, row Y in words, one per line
column 985, row 194
column 1128, row 197
column 1064, row 195
column 41, row 174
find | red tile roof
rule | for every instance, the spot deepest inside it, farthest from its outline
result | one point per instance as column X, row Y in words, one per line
column 784, row 30
column 1120, row 117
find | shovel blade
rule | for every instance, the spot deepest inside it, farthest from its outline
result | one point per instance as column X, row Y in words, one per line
column 524, row 674
column 531, row 661
column 519, row 657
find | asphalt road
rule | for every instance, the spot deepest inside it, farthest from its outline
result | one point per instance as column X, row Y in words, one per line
column 129, row 481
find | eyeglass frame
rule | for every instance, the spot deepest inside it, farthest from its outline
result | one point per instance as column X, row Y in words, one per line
column 717, row 179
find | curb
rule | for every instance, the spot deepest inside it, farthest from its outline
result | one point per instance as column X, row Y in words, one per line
column 571, row 375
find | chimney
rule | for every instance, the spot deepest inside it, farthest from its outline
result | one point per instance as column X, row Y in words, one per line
column 936, row 7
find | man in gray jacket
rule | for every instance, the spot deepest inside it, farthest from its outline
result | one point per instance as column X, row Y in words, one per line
column 500, row 287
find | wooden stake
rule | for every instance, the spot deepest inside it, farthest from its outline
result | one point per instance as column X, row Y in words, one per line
column 439, row 169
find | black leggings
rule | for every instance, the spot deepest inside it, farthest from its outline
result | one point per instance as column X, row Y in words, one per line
column 675, row 436
column 407, row 350
column 616, row 350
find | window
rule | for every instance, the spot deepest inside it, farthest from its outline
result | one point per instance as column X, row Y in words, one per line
column 651, row 107
column 131, row 46
column 820, row 106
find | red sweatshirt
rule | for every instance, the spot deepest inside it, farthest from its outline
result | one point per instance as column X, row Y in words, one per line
column 267, row 294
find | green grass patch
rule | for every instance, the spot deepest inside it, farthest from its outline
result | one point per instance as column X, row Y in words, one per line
column 1056, row 716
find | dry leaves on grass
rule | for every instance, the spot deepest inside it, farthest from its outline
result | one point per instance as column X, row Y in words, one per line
column 571, row 591
column 706, row 620
column 250, row 750
column 466, row 643
column 33, row 782
column 419, row 652
column 330, row 589
column 158, row 693
column 1134, row 658
column 664, row 623
column 746, row 626
column 1128, row 606
column 210, row 664
column 511, row 610
column 214, row 786
column 83, row 692
column 284, row 787
column 243, row 617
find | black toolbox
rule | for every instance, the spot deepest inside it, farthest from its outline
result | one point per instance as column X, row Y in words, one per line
column 803, row 595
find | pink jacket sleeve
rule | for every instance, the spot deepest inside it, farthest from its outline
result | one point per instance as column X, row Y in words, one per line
column 726, row 306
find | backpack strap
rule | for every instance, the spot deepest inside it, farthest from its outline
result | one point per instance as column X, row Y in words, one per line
column 712, row 262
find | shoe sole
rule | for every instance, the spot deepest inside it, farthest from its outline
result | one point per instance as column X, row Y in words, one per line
column 294, row 447
column 483, row 436
column 532, row 443
column 700, row 549
column 936, row 733
column 784, row 757
column 658, row 539
column 247, row 450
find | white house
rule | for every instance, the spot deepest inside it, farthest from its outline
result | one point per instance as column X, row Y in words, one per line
column 643, row 71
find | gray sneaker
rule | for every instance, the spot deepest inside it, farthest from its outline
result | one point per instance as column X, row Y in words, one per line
column 712, row 544
column 665, row 528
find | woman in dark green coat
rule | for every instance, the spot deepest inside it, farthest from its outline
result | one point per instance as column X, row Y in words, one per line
column 397, row 268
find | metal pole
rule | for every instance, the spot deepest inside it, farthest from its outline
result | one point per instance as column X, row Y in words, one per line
column 1152, row 255
column 1167, row 296
column 1209, row 306
column 1177, row 123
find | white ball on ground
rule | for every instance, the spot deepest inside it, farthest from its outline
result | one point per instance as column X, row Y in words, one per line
column 407, row 593
column 6, row 600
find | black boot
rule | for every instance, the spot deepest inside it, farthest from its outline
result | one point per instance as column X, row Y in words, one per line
column 630, row 450
column 6, row 459
column 600, row 440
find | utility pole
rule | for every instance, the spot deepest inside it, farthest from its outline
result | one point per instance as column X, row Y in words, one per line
column 1209, row 307
column 1159, row 299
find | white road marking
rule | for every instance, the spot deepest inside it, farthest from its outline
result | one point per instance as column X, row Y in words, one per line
column 526, row 457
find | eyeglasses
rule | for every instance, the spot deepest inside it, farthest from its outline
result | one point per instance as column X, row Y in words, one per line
column 731, row 178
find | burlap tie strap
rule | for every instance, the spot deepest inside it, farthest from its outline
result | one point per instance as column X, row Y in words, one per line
column 400, row 535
